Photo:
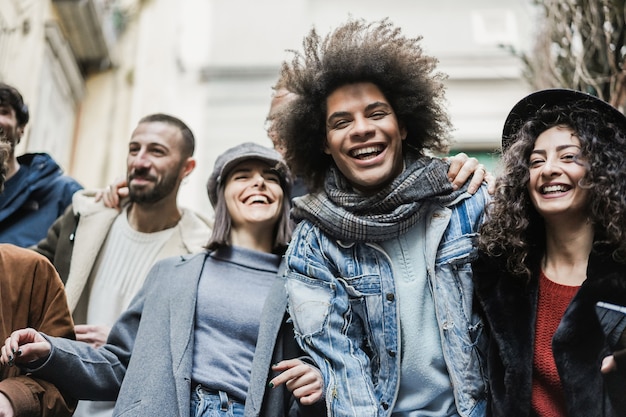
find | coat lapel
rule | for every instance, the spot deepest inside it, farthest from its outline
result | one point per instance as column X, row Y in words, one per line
column 185, row 277
column 509, row 305
column 91, row 232
column 579, row 342
column 271, row 320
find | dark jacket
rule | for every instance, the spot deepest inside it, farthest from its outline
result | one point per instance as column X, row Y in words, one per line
column 276, row 336
column 75, row 239
column 579, row 343
column 33, row 198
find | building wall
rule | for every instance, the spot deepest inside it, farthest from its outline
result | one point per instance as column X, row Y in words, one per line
column 245, row 53
column 213, row 62
column 35, row 58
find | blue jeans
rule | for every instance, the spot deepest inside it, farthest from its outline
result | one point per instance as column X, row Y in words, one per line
column 205, row 403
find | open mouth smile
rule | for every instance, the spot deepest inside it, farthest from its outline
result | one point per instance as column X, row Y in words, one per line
column 367, row 152
column 554, row 189
column 257, row 199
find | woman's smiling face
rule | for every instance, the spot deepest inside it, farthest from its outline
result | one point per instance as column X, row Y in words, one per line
column 555, row 174
column 253, row 194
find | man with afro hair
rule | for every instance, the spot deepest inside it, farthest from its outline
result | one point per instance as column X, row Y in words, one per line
column 378, row 271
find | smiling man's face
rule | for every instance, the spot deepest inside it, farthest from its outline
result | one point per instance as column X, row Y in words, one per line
column 363, row 136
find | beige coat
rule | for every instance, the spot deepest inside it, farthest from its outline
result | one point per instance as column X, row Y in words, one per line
column 75, row 239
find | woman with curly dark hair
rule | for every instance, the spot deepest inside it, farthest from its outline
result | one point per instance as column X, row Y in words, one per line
column 553, row 247
column 378, row 271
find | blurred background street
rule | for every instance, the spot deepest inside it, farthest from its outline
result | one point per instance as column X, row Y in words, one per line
column 90, row 69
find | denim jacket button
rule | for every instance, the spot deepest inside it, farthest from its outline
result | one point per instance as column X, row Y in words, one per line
column 390, row 296
column 392, row 353
column 384, row 405
column 447, row 325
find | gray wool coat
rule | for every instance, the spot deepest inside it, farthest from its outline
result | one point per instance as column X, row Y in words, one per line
column 158, row 329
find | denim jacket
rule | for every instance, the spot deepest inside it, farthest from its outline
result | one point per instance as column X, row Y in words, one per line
column 342, row 298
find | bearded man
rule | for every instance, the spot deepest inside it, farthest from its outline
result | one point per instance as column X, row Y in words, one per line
column 103, row 255
column 36, row 191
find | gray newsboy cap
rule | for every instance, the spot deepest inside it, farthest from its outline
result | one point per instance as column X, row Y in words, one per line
column 248, row 150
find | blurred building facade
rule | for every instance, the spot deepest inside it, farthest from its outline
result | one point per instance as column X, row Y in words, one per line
column 89, row 69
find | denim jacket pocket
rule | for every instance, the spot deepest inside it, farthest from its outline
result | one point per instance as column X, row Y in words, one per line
column 361, row 285
column 458, row 249
column 309, row 302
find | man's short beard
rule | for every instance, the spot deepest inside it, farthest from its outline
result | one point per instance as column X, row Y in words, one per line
column 158, row 193
column 12, row 140
column 149, row 197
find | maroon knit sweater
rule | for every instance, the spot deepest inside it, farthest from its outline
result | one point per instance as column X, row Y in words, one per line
column 547, row 394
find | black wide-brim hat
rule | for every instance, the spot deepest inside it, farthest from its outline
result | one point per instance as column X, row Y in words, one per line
column 527, row 107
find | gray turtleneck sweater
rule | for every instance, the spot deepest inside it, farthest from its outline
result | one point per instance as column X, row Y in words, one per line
column 231, row 292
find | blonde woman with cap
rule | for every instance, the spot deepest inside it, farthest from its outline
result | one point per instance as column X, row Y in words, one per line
column 201, row 336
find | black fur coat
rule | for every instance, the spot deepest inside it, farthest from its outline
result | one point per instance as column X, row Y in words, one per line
column 509, row 306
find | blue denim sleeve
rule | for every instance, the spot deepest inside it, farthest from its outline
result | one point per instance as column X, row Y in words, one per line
column 325, row 326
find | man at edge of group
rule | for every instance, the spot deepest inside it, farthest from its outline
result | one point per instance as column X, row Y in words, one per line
column 103, row 255
column 32, row 295
column 36, row 192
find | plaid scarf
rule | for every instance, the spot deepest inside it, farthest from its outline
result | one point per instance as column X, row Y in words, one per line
column 345, row 214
